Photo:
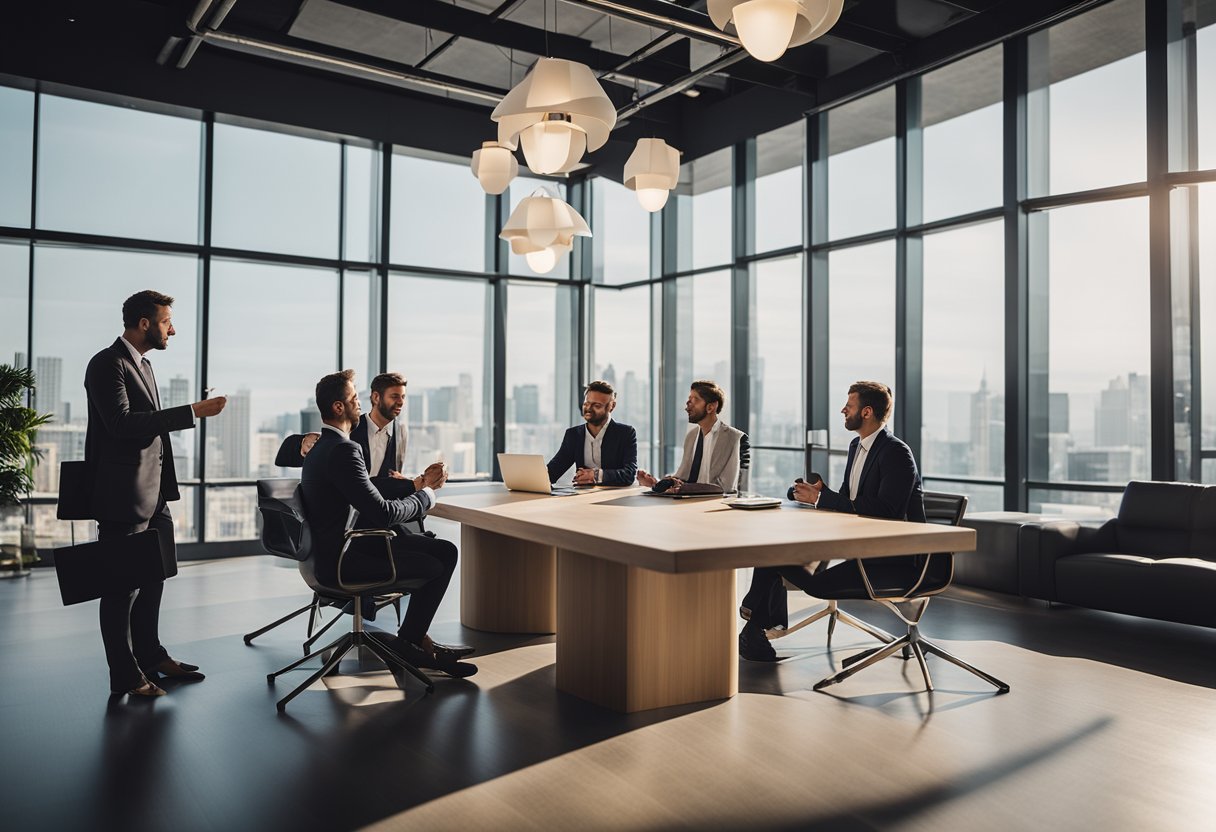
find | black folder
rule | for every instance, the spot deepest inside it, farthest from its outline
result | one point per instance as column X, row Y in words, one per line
column 75, row 491
column 109, row 567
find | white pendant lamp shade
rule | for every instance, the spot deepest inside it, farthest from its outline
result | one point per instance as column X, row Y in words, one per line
column 494, row 166
column 553, row 145
column 542, row 228
column 568, row 103
column 768, row 27
column 652, row 171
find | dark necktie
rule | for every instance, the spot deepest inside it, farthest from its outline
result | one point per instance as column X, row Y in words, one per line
column 390, row 454
column 145, row 369
column 695, row 470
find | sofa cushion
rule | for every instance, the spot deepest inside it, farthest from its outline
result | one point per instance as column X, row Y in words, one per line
column 1178, row 589
column 1157, row 518
column 1203, row 539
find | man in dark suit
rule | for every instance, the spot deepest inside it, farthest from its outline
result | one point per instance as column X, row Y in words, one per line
column 334, row 482
column 128, row 453
column 880, row 480
column 603, row 451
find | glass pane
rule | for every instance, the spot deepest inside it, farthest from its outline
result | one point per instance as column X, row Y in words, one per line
column 1205, row 72
column 1207, row 314
column 360, row 346
column 964, row 352
column 1097, row 343
column 118, row 171
column 620, row 355
column 525, row 186
column 777, row 400
column 275, row 192
column 1086, row 109
column 78, row 296
column 979, row 497
column 51, row 532
column 1209, row 471
column 542, row 397
column 232, row 513
column 267, row 365
column 703, row 197
column 1075, row 504
column 14, row 302
column 703, row 308
column 773, row 472
column 621, row 245
column 16, row 155
column 447, row 404
column 779, row 179
column 362, row 203
column 861, row 148
column 861, row 285
column 961, row 115
column 438, row 215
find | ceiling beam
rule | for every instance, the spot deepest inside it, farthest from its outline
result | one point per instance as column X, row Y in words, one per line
column 506, row 7
column 868, row 37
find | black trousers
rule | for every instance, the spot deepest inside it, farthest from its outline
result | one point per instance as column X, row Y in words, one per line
column 766, row 597
column 130, row 621
column 417, row 557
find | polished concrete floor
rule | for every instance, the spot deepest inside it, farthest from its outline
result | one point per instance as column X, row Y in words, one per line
column 1111, row 724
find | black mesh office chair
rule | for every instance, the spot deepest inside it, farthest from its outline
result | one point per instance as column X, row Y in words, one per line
column 347, row 593
column 280, row 536
column 913, row 586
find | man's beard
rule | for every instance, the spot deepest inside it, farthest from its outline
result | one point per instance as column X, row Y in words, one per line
column 386, row 412
column 592, row 420
column 696, row 416
column 852, row 422
column 154, row 343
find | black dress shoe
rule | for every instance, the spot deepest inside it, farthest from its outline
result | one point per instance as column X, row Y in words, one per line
column 431, row 660
column 754, row 644
column 146, row 688
column 459, row 651
column 178, row 671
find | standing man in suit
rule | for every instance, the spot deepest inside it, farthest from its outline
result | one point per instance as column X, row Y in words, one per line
column 711, row 449
column 604, row 451
column 333, row 482
column 129, row 455
column 880, row 480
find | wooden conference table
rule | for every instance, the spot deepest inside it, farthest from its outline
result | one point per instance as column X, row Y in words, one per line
column 641, row 590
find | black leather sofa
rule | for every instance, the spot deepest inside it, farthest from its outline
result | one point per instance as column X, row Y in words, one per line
column 1156, row 559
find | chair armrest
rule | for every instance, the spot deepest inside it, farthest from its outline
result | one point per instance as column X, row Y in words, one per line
column 384, row 534
column 1040, row 545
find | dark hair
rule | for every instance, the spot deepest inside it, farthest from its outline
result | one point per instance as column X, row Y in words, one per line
column 600, row 387
column 874, row 395
column 332, row 388
column 710, row 393
column 386, row 380
column 143, row 305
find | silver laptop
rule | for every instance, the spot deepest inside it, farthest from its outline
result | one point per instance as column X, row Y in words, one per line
column 527, row 472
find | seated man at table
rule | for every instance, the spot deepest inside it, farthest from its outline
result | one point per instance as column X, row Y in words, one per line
column 711, row 447
column 334, row 482
column 880, row 480
column 603, row 451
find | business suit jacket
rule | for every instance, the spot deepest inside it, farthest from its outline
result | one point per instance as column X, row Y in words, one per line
column 726, row 449
column 890, row 485
column 289, row 457
column 618, row 454
column 127, row 446
column 334, row 481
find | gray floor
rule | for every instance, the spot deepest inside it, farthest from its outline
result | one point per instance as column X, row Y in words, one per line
column 1111, row 724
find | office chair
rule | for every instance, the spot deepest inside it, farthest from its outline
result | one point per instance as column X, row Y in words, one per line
column 347, row 592
column 913, row 586
column 280, row 536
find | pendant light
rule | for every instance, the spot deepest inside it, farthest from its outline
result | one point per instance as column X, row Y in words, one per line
column 558, row 112
column 542, row 228
column 768, row 27
column 494, row 166
column 652, row 171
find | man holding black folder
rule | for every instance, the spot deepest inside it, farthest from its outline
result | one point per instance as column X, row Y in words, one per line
column 129, row 457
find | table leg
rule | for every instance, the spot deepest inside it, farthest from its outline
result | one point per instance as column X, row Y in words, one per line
column 632, row 639
column 507, row 585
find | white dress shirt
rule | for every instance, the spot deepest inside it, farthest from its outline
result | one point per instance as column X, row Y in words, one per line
column 377, row 443
column 593, row 449
column 859, row 463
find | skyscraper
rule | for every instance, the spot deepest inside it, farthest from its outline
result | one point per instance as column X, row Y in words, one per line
column 48, row 395
column 233, row 435
column 527, row 404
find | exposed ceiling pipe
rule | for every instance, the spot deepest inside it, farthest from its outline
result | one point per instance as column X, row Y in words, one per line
column 693, row 30
column 194, row 23
column 681, row 84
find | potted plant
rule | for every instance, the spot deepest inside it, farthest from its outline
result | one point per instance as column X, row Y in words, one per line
column 18, row 456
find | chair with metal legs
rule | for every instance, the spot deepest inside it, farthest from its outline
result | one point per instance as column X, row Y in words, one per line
column 280, row 536
column 358, row 636
column 911, row 585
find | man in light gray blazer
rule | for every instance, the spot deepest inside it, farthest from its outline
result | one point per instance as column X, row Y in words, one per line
column 711, row 448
